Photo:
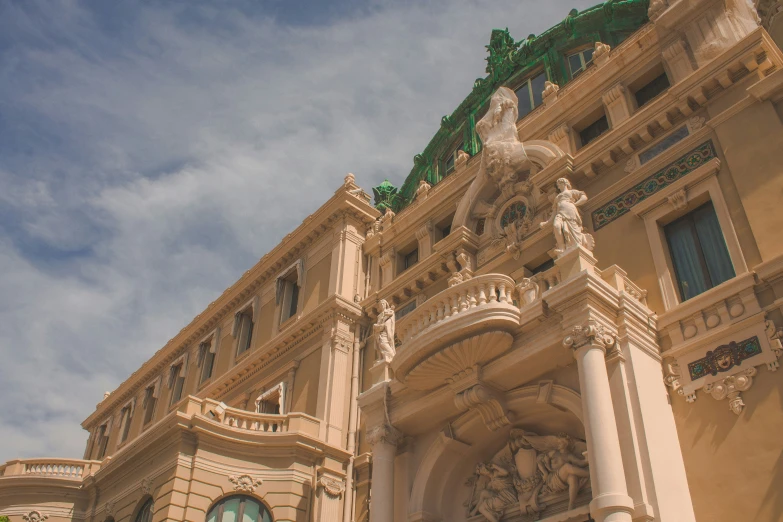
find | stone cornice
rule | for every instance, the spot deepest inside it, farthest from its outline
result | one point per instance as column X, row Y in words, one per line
column 342, row 204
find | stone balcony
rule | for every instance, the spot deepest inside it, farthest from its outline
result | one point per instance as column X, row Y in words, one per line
column 65, row 469
column 265, row 423
column 466, row 325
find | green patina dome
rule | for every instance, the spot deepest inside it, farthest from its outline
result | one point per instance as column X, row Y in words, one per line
column 510, row 63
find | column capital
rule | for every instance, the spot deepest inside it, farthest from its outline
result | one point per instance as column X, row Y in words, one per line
column 596, row 335
column 384, row 434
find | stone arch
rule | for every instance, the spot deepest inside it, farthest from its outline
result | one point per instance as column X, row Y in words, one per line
column 453, row 448
column 540, row 152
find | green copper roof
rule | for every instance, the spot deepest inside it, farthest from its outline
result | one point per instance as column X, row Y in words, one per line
column 508, row 63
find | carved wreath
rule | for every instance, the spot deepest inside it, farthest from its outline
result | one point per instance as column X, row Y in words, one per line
column 244, row 483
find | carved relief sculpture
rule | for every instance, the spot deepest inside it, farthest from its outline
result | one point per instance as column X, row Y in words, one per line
column 34, row 516
column 530, row 468
column 244, row 483
column 384, row 332
column 566, row 219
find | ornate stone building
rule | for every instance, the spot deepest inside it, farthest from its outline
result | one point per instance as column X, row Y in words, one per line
column 570, row 310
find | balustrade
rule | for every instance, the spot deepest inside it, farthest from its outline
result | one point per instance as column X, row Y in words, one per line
column 481, row 291
column 61, row 468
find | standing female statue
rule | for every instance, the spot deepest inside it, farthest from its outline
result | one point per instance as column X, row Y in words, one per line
column 566, row 219
column 384, row 332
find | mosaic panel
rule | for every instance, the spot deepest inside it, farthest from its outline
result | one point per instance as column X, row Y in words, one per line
column 724, row 358
column 658, row 181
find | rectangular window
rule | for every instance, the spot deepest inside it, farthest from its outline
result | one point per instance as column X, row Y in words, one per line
column 103, row 441
column 176, row 383
column 450, row 160
column 594, row 130
column 411, row 259
column 290, row 296
column 206, row 357
column 652, row 89
column 669, row 141
column 405, row 310
column 243, row 330
column 445, row 231
column 579, row 61
column 126, row 415
column 150, row 402
column 698, row 252
column 530, row 94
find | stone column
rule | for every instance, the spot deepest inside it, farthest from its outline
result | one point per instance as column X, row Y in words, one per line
column 383, row 439
column 611, row 502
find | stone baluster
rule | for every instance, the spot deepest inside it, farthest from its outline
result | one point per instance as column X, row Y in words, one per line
column 611, row 502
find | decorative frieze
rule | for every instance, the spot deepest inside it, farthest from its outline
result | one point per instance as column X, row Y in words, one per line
column 34, row 516
column 724, row 358
column 676, row 170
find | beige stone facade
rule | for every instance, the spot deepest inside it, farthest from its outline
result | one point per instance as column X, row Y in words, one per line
column 582, row 320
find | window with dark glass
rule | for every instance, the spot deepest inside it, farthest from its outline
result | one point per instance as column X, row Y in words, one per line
column 578, row 61
column 150, row 401
column 450, row 160
column 698, row 252
column 239, row 508
column 530, row 94
column 176, row 383
column 206, row 357
column 445, row 231
column 290, row 295
column 125, row 414
column 411, row 258
column 145, row 512
column 652, row 89
column 243, row 329
column 103, row 441
column 593, row 130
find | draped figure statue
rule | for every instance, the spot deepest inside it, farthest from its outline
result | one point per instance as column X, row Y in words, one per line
column 566, row 219
column 384, row 332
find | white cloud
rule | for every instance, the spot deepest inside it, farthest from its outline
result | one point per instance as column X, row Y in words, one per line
column 151, row 164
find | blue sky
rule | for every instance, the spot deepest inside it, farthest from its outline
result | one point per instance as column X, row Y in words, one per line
column 151, row 152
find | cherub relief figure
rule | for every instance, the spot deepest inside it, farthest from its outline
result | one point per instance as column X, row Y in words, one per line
column 566, row 220
column 561, row 469
column 504, row 155
column 384, row 332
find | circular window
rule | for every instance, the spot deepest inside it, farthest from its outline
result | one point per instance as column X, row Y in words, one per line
column 513, row 213
column 239, row 509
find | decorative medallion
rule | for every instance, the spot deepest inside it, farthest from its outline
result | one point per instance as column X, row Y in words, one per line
column 724, row 358
column 34, row 516
column 658, row 181
column 244, row 482
column 332, row 487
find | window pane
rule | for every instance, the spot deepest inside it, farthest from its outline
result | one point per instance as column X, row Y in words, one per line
column 212, row 517
column 252, row 511
column 587, row 55
column 652, row 89
column 523, row 94
column 538, row 88
column 686, row 259
column 713, row 246
column 575, row 63
column 176, row 394
column 294, row 300
column 230, row 510
column 594, row 130
column 206, row 370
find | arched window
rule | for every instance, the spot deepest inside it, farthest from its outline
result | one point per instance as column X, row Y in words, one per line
column 240, row 508
column 145, row 512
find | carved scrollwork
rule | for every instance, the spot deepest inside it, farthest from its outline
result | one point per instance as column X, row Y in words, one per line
column 34, row 516
column 245, row 482
column 332, row 486
column 595, row 334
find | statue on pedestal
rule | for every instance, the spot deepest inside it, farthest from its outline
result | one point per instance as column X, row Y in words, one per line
column 566, row 219
column 383, row 329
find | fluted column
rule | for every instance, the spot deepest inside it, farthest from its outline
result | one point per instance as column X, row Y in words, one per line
column 383, row 439
column 611, row 502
